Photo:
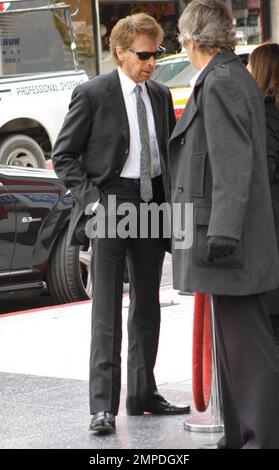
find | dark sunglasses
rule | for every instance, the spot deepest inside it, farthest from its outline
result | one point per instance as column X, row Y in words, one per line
column 146, row 55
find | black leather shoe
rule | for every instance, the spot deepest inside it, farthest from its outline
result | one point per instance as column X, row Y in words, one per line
column 160, row 407
column 102, row 423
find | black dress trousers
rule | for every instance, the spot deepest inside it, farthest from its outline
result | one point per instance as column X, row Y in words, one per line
column 145, row 259
column 249, row 372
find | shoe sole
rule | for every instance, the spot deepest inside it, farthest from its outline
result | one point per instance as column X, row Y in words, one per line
column 141, row 412
column 134, row 412
column 102, row 429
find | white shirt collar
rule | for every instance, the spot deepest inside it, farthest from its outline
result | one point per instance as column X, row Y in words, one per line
column 196, row 76
column 127, row 84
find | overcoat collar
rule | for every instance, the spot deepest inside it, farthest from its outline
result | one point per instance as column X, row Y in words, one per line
column 191, row 108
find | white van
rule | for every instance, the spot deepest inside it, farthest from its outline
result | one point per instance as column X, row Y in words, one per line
column 38, row 72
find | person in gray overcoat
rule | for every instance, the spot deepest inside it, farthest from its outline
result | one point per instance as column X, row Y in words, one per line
column 218, row 164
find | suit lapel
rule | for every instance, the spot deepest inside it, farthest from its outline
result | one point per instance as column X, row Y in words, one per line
column 115, row 102
column 157, row 108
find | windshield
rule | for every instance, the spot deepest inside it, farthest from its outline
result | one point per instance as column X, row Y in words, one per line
column 175, row 72
column 168, row 68
column 33, row 42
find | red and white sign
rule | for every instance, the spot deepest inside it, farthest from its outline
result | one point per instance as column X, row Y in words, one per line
column 4, row 6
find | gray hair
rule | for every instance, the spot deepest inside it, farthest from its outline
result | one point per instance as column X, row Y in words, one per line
column 209, row 23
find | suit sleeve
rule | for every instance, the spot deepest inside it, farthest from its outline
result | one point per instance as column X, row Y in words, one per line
column 272, row 147
column 69, row 146
column 230, row 153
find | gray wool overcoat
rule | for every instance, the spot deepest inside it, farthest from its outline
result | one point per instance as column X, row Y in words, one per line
column 218, row 163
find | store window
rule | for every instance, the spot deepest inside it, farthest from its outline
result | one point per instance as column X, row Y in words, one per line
column 83, row 29
column 164, row 12
column 274, row 20
column 248, row 20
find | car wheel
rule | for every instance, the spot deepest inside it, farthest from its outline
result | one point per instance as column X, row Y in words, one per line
column 21, row 150
column 69, row 274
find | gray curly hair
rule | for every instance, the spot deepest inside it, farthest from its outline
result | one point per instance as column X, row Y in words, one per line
column 209, row 23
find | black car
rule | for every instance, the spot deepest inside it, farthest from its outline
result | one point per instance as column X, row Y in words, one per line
column 34, row 215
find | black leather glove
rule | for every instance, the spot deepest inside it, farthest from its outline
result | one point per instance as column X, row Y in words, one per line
column 80, row 234
column 220, row 247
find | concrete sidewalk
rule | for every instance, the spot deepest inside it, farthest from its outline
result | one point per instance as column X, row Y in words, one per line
column 44, row 358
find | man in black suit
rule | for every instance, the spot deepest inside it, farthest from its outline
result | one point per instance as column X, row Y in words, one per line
column 114, row 143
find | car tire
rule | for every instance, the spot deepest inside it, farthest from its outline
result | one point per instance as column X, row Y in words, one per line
column 69, row 275
column 21, row 150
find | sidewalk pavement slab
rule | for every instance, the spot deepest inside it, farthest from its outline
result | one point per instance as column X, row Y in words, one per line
column 44, row 356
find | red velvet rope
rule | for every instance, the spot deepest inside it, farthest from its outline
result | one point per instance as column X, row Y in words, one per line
column 202, row 359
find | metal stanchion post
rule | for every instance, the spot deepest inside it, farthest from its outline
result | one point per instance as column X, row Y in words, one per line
column 212, row 422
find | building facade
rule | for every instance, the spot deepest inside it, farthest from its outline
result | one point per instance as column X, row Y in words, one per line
column 274, row 15
column 256, row 21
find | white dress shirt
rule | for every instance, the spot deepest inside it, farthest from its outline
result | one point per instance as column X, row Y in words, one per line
column 132, row 166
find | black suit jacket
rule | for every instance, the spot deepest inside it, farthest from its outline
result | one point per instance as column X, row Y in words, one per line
column 93, row 144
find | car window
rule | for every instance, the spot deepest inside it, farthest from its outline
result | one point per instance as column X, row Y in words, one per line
column 168, row 69
column 183, row 78
column 178, row 72
column 34, row 41
column 174, row 72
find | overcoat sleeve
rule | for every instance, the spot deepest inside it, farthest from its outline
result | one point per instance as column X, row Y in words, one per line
column 230, row 153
